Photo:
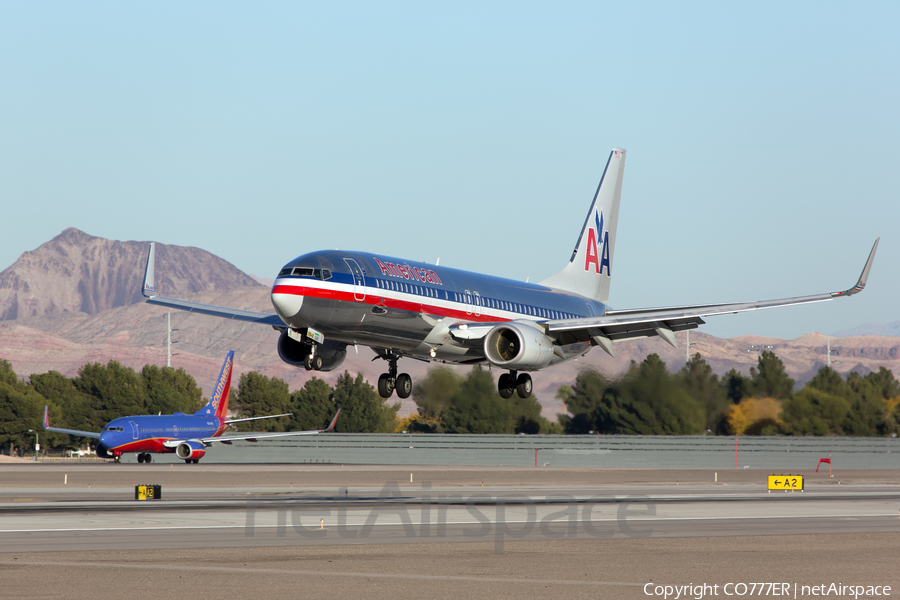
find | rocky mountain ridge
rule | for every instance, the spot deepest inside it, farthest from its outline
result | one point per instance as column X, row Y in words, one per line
column 77, row 272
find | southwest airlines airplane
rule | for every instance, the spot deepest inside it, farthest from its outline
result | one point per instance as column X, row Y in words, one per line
column 187, row 436
column 328, row 300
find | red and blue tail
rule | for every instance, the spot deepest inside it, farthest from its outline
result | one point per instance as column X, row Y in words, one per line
column 218, row 402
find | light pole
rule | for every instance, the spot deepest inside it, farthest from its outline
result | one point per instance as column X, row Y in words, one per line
column 37, row 443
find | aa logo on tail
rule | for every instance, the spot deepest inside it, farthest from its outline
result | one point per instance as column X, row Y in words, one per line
column 597, row 254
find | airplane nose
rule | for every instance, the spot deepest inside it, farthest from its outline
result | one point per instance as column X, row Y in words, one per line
column 286, row 301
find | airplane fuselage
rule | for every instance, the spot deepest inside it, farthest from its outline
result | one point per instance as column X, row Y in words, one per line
column 149, row 433
column 379, row 301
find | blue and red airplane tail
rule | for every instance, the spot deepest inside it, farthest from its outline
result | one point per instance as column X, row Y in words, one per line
column 218, row 402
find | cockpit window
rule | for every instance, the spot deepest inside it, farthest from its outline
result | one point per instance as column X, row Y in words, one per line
column 322, row 274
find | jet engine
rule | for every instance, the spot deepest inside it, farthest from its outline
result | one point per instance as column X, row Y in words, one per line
column 518, row 347
column 294, row 353
column 190, row 450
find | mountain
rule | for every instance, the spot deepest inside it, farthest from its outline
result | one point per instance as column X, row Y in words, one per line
column 884, row 329
column 77, row 272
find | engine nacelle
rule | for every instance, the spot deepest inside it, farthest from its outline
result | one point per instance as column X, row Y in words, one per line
column 294, row 353
column 518, row 347
column 190, row 450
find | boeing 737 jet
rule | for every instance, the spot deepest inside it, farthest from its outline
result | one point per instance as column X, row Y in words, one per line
column 188, row 436
column 325, row 301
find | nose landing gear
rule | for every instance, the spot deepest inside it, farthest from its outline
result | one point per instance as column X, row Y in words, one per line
column 391, row 381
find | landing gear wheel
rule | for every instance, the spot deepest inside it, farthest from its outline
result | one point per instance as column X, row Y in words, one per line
column 506, row 386
column 313, row 363
column 524, row 385
column 386, row 385
column 148, row 458
column 196, row 460
column 140, row 458
column 404, row 385
column 117, row 459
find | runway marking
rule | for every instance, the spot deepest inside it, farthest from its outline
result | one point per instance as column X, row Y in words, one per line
column 449, row 523
column 233, row 570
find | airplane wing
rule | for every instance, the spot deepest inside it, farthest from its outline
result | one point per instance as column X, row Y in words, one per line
column 637, row 323
column 205, row 309
column 252, row 437
column 47, row 427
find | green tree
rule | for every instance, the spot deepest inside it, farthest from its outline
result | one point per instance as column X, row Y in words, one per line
column 259, row 396
column 170, row 391
column 432, row 393
column 583, row 400
column 771, row 380
column 312, row 405
column 813, row 412
column 477, row 408
column 7, row 374
column 736, row 386
column 69, row 408
column 867, row 408
column 830, row 381
column 701, row 384
column 115, row 390
column 362, row 409
column 885, row 382
column 21, row 409
column 646, row 400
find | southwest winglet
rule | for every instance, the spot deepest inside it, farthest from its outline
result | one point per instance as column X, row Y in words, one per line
column 333, row 421
column 148, row 290
column 863, row 277
column 46, row 416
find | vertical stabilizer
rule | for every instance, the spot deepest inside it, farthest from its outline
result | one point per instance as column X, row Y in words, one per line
column 590, row 269
column 218, row 403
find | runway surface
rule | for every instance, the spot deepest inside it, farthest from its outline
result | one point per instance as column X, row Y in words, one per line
column 65, row 530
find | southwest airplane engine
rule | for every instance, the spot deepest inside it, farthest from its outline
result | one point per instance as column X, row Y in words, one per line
column 518, row 347
column 295, row 353
column 190, row 450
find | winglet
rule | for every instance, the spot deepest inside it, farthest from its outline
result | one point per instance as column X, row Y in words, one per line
column 333, row 421
column 863, row 277
column 46, row 416
column 148, row 290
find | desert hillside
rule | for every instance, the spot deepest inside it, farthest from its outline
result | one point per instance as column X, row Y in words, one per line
column 77, row 272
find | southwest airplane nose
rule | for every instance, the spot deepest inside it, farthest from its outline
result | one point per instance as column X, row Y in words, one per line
column 286, row 303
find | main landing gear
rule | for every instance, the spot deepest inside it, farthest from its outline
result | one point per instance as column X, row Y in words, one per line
column 510, row 383
column 144, row 457
column 390, row 381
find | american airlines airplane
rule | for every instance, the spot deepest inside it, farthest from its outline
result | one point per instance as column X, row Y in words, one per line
column 325, row 301
column 187, row 436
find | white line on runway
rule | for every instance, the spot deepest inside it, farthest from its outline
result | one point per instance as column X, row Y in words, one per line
column 448, row 523
column 317, row 573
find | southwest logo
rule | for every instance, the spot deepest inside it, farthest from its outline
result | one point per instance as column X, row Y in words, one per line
column 597, row 246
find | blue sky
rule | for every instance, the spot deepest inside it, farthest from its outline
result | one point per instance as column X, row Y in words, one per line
column 762, row 139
